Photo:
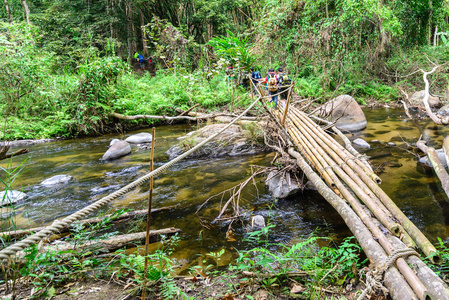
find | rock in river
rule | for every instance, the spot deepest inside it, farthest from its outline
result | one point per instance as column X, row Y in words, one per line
column 346, row 111
column 441, row 156
column 140, row 138
column 58, row 179
column 11, row 197
column 233, row 141
column 117, row 150
column 361, row 143
column 280, row 187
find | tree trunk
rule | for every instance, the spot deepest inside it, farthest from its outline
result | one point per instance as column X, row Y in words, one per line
column 27, row 11
column 144, row 41
column 8, row 11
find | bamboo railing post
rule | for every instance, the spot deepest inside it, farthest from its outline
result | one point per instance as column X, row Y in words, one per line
column 150, row 200
column 287, row 103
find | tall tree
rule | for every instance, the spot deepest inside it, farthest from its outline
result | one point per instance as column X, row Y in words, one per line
column 8, row 11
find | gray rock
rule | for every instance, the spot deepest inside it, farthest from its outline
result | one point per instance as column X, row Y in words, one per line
column 257, row 222
column 11, row 197
column 119, row 149
column 231, row 142
column 143, row 137
column 310, row 186
column 113, row 142
column 346, row 111
column 444, row 111
column 55, row 180
column 361, row 143
column 391, row 144
column 416, row 99
column 440, row 152
column 278, row 190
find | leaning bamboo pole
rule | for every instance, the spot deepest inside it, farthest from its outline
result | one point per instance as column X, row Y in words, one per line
column 374, row 205
column 425, row 245
column 395, row 283
column 438, row 167
column 402, row 265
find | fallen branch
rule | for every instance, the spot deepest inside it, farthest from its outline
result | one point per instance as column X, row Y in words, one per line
column 116, row 242
column 436, row 163
column 123, row 217
column 269, row 275
column 199, row 117
column 4, row 155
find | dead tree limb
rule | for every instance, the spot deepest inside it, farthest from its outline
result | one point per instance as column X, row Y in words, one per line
column 437, row 165
column 123, row 217
column 200, row 117
column 116, row 242
column 437, row 119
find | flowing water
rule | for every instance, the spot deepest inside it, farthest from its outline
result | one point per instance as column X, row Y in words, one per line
column 191, row 182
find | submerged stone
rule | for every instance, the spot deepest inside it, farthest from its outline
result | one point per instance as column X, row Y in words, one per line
column 361, row 143
column 10, row 197
column 58, row 179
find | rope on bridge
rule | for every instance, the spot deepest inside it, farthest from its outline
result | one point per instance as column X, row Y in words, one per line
column 57, row 225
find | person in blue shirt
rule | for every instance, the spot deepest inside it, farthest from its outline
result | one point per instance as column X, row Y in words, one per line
column 141, row 60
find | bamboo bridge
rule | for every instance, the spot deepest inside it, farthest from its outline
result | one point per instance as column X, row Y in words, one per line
column 345, row 179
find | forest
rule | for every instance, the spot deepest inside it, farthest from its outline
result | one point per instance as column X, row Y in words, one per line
column 67, row 65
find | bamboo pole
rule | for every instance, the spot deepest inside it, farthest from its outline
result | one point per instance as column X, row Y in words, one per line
column 397, row 286
column 353, row 181
column 438, row 167
column 287, row 103
column 446, row 148
column 150, row 200
column 403, row 267
column 425, row 245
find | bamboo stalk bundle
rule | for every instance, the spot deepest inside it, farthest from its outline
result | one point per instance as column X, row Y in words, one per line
column 401, row 264
column 370, row 187
column 329, row 163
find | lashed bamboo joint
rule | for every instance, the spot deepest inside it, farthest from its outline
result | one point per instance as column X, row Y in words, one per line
column 348, row 183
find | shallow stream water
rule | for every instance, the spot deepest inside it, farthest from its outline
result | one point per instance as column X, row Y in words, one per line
column 189, row 183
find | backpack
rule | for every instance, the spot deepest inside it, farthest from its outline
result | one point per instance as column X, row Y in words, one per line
column 257, row 75
column 141, row 58
column 271, row 84
column 283, row 79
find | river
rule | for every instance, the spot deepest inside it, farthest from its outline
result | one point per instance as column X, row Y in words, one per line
column 190, row 182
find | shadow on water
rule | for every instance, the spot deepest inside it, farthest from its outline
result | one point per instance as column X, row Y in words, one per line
column 190, row 182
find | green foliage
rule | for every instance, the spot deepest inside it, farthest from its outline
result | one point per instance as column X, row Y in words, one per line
column 324, row 266
column 443, row 268
column 236, row 50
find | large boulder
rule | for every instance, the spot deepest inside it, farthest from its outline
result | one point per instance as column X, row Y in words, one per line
column 56, row 180
column 10, row 197
column 117, row 150
column 143, row 137
column 233, row 141
column 416, row 99
column 280, row 187
column 346, row 111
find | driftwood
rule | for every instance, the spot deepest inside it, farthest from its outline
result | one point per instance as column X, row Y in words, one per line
column 436, row 164
column 4, row 155
column 116, row 242
column 190, row 118
column 438, row 120
column 123, row 217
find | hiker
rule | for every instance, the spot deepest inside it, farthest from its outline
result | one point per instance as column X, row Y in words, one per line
column 255, row 78
column 284, row 83
column 272, row 86
column 229, row 74
column 141, row 60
